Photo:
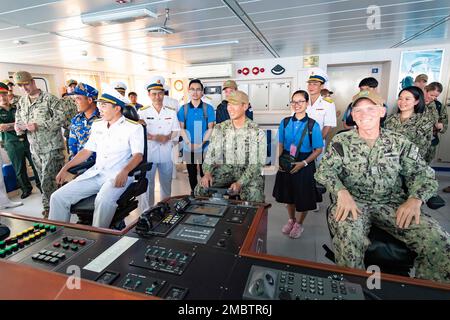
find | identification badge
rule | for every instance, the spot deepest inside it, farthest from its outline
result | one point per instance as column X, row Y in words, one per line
column 374, row 171
column 293, row 150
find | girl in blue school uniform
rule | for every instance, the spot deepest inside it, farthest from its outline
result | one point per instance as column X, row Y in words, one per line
column 297, row 187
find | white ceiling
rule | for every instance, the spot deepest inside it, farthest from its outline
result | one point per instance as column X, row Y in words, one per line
column 55, row 35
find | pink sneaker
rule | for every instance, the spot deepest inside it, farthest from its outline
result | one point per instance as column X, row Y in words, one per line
column 296, row 231
column 288, row 226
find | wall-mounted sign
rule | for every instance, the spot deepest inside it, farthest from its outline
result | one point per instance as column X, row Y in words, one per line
column 278, row 70
column 310, row 61
column 374, row 70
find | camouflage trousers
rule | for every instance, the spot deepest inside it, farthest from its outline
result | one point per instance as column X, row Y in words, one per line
column 427, row 239
column 225, row 175
column 47, row 166
column 431, row 153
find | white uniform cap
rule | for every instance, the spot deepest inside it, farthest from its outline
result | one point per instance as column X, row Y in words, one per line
column 155, row 82
column 111, row 95
column 317, row 74
column 120, row 85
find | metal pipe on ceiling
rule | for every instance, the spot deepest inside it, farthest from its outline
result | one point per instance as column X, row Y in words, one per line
column 243, row 16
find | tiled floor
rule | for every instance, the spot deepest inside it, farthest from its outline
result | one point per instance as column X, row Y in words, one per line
column 308, row 246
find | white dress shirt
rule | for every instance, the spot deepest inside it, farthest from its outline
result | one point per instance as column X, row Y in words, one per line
column 165, row 122
column 114, row 146
column 323, row 112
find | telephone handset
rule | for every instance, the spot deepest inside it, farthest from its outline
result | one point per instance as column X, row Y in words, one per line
column 181, row 205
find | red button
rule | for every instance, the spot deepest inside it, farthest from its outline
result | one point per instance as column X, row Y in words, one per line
column 81, row 242
column 56, row 245
column 75, row 241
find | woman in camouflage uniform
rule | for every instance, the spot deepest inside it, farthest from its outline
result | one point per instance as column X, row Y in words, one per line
column 411, row 121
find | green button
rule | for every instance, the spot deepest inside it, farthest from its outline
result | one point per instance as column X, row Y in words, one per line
column 41, row 225
column 2, row 253
column 8, row 250
column 36, row 225
column 52, row 228
column 47, row 227
column 2, row 244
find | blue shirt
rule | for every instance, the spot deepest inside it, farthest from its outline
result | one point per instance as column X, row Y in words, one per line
column 196, row 124
column 293, row 132
column 80, row 129
column 223, row 115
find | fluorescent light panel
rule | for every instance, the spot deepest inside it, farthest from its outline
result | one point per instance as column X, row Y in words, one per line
column 115, row 16
column 200, row 44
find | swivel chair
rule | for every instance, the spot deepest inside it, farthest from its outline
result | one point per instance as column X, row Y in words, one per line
column 385, row 251
column 128, row 201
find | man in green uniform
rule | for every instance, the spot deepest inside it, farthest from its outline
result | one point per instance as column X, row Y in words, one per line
column 41, row 115
column 17, row 147
column 13, row 98
column 236, row 154
column 365, row 171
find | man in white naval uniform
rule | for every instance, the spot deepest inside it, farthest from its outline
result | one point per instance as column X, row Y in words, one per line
column 119, row 146
column 162, row 130
column 322, row 110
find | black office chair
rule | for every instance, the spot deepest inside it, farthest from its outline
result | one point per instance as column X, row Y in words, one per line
column 128, row 201
column 385, row 251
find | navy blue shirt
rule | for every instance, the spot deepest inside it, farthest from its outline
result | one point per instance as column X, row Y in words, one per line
column 293, row 132
column 196, row 124
column 223, row 115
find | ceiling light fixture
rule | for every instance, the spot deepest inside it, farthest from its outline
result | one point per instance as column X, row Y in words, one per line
column 116, row 16
column 164, row 29
column 19, row 42
column 200, row 44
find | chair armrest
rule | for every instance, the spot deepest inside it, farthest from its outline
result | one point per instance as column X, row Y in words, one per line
column 140, row 169
column 82, row 167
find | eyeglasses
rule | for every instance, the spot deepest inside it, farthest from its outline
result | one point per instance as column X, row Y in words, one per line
column 298, row 103
column 195, row 90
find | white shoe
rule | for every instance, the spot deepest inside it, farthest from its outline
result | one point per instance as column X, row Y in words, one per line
column 11, row 204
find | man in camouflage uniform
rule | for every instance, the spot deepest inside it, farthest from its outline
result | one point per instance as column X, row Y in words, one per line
column 432, row 92
column 70, row 109
column 17, row 147
column 236, row 154
column 364, row 170
column 41, row 116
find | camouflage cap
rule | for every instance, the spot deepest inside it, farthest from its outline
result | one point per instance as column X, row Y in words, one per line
column 370, row 95
column 71, row 82
column 237, row 97
column 22, row 77
column 229, row 84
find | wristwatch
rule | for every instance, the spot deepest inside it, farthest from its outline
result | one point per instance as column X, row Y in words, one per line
column 306, row 163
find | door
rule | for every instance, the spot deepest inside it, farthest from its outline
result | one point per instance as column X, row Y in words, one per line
column 344, row 80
